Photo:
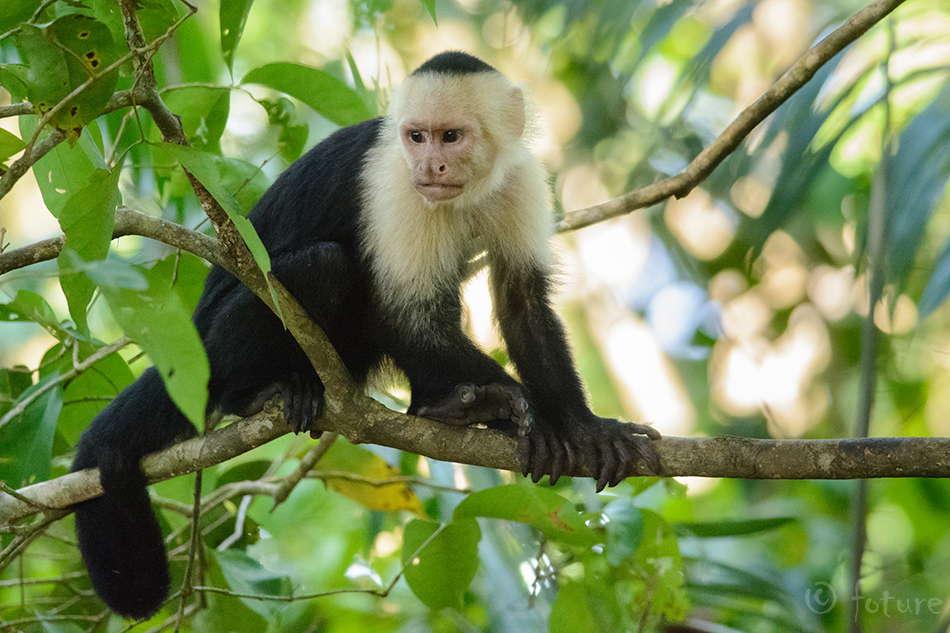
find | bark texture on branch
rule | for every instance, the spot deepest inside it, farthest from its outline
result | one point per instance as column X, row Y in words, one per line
column 369, row 422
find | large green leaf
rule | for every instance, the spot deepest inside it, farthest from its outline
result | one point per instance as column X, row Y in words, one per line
column 247, row 576
column 16, row 11
column 29, row 306
column 151, row 313
column 326, row 94
column 87, row 219
column 538, row 507
column 714, row 529
column 441, row 572
column 13, row 77
column 60, row 57
column 624, row 530
column 206, row 168
column 588, row 606
column 13, row 382
column 204, row 114
column 10, row 144
column 89, row 392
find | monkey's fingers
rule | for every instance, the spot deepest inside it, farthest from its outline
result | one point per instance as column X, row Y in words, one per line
column 623, row 446
column 563, row 460
column 535, row 456
column 643, row 429
column 611, row 449
column 303, row 401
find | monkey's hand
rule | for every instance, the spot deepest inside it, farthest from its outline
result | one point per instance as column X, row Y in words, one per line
column 606, row 446
column 470, row 404
column 302, row 397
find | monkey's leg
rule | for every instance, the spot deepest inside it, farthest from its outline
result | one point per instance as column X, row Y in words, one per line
column 253, row 356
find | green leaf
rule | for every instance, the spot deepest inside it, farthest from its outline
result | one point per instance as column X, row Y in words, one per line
column 151, row 313
column 938, row 286
column 247, row 181
column 916, row 179
column 13, row 382
column 247, row 576
column 66, row 169
column 26, row 442
column 29, row 306
column 13, row 77
column 430, row 7
column 441, row 572
column 538, row 507
column 368, row 96
column 326, row 94
column 716, row 529
column 232, row 17
column 189, row 272
column 206, row 169
column 10, row 144
column 204, row 114
column 87, row 219
column 224, row 613
column 725, row 579
column 60, row 57
column 582, row 607
column 624, row 530
column 16, row 11
column 89, row 392
column 658, row 558
column 156, row 17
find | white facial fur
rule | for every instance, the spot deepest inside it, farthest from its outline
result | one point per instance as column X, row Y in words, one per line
column 452, row 177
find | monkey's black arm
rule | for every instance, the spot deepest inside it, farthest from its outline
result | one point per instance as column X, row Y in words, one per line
column 564, row 429
column 437, row 356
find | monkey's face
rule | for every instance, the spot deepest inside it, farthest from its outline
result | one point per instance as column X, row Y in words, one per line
column 453, row 130
column 440, row 156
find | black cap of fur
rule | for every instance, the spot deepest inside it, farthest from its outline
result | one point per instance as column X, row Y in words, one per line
column 454, row 63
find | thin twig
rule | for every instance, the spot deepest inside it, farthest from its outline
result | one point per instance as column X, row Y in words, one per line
column 77, row 369
column 778, row 93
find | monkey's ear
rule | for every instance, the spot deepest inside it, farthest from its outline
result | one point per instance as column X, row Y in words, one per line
column 514, row 113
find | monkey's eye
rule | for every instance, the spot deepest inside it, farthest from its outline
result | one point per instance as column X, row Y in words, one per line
column 417, row 137
column 451, row 136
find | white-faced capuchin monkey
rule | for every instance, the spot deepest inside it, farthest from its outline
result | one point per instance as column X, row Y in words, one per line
column 373, row 231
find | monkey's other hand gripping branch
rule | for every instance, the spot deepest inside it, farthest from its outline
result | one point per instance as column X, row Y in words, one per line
column 607, row 448
column 495, row 405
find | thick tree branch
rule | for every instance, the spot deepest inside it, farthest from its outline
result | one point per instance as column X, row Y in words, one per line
column 370, row 422
column 127, row 222
column 778, row 93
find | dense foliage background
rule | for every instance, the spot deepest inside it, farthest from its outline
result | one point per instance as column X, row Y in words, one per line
column 740, row 309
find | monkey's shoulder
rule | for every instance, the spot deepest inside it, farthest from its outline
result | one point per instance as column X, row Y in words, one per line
column 317, row 197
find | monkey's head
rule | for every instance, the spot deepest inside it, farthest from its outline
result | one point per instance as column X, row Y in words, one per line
column 458, row 120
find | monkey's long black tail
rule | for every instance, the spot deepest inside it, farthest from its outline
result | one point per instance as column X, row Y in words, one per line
column 119, row 536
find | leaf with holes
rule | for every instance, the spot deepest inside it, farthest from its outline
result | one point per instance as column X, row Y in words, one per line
column 62, row 56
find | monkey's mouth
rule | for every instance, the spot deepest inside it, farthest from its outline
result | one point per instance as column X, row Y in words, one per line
column 438, row 192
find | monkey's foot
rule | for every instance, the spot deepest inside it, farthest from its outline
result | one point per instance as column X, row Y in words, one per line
column 302, row 397
column 609, row 448
column 470, row 404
